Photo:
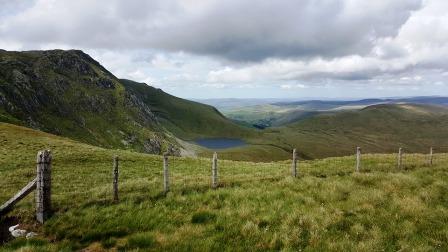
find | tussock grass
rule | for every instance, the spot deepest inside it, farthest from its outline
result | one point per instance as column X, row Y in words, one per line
column 258, row 206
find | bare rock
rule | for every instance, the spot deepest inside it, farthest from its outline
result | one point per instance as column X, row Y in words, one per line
column 105, row 83
column 31, row 235
column 173, row 150
column 153, row 146
column 18, row 233
column 12, row 228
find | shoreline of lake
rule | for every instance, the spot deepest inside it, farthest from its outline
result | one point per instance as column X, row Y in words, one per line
column 220, row 143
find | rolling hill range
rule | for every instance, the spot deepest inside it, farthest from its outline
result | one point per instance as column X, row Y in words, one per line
column 70, row 94
column 272, row 114
column 377, row 128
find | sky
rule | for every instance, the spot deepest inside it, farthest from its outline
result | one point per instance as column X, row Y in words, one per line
column 248, row 48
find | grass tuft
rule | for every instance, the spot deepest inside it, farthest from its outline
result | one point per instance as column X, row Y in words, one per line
column 202, row 217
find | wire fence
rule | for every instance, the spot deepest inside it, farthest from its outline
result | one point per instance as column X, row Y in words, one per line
column 88, row 180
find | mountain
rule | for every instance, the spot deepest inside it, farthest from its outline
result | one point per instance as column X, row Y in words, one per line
column 70, row 94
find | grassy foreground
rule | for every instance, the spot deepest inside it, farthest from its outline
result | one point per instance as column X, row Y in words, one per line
column 258, row 206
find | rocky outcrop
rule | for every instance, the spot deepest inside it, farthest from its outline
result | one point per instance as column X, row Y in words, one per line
column 142, row 110
column 173, row 150
column 153, row 145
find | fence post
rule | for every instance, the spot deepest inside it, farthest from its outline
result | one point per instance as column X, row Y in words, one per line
column 430, row 156
column 215, row 171
column 294, row 163
column 166, row 178
column 43, row 186
column 400, row 157
column 115, row 181
column 358, row 158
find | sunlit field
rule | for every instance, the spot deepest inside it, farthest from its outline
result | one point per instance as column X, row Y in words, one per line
column 257, row 206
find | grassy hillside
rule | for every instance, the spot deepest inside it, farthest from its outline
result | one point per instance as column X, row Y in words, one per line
column 378, row 128
column 70, row 94
column 184, row 118
column 258, row 205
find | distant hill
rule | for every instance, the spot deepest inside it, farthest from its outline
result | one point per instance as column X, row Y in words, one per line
column 285, row 112
column 377, row 128
column 70, row 94
column 319, row 104
column 231, row 103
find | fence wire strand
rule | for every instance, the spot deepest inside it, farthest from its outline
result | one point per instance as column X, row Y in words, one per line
column 89, row 179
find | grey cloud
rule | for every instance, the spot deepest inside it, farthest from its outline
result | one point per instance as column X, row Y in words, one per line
column 235, row 30
column 255, row 30
column 349, row 76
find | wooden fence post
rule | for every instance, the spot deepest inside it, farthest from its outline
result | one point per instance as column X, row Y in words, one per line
column 358, row 158
column 430, row 156
column 294, row 163
column 400, row 157
column 215, row 171
column 115, row 181
column 43, row 186
column 166, row 179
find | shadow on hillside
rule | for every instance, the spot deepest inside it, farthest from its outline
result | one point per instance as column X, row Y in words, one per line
column 5, row 223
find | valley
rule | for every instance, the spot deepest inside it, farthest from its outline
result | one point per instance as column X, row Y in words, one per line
column 70, row 94
column 68, row 103
column 233, row 126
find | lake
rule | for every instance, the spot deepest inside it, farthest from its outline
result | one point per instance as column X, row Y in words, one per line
column 220, row 143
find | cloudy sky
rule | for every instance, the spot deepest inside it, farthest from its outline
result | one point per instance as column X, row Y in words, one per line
column 248, row 48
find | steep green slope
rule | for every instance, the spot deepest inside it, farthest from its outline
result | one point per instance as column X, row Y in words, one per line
column 184, row 118
column 70, row 94
column 378, row 128
column 258, row 206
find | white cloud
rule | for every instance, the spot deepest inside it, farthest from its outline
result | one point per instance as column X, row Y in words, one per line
column 187, row 46
column 292, row 86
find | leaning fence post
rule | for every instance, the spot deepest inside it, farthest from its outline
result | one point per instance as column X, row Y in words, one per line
column 294, row 163
column 400, row 157
column 430, row 156
column 43, row 186
column 166, row 179
column 215, row 171
column 358, row 158
column 115, row 181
